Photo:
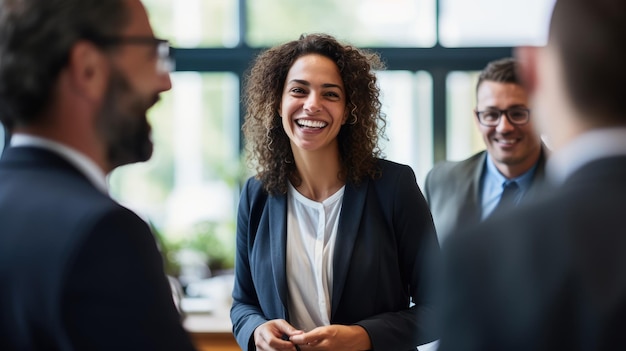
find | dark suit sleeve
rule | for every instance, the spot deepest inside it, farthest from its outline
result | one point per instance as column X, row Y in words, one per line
column 245, row 314
column 461, row 305
column 116, row 295
column 419, row 259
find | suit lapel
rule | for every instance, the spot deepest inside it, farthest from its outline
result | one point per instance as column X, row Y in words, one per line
column 470, row 198
column 278, row 242
column 348, row 228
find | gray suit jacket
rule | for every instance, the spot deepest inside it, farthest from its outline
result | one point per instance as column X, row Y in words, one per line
column 452, row 190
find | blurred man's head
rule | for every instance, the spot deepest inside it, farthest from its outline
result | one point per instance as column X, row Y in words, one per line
column 504, row 119
column 577, row 80
column 81, row 67
column 138, row 73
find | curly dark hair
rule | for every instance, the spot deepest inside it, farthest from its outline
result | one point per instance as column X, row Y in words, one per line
column 268, row 144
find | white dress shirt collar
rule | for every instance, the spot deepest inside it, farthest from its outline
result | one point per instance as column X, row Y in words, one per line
column 83, row 163
column 589, row 146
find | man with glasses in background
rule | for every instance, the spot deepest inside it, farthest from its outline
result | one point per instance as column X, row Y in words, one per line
column 77, row 270
column 509, row 170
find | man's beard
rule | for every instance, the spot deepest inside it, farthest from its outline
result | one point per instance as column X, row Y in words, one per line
column 122, row 123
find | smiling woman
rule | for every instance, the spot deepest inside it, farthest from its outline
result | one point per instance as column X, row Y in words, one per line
column 322, row 200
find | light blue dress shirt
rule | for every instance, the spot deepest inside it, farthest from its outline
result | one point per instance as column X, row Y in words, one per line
column 492, row 182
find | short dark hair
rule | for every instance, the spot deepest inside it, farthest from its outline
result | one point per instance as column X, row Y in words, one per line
column 503, row 70
column 589, row 37
column 36, row 37
column 268, row 143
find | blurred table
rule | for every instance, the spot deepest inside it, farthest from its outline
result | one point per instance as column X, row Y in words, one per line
column 211, row 331
column 207, row 313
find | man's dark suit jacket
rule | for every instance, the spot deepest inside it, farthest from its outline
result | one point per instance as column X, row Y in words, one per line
column 383, row 255
column 77, row 270
column 549, row 276
column 452, row 190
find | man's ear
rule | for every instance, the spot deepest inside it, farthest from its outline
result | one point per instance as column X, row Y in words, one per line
column 527, row 69
column 88, row 69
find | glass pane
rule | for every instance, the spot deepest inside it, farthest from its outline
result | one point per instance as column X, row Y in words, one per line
column 494, row 22
column 360, row 22
column 189, row 189
column 462, row 136
column 407, row 103
column 195, row 23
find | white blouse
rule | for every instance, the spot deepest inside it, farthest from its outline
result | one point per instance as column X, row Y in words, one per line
column 311, row 234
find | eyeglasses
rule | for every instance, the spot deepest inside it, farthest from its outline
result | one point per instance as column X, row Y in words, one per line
column 491, row 116
column 165, row 61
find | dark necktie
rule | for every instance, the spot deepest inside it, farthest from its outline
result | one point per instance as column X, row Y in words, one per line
column 508, row 196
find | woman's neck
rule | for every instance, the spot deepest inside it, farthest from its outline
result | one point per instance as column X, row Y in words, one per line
column 319, row 174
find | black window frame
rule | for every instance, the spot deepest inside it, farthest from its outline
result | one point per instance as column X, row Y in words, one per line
column 438, row 61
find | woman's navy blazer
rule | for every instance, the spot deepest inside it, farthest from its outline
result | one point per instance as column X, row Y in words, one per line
column 384, row 261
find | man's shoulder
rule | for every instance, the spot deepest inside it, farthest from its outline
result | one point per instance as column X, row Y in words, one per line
column 59, row 194
column 459, row 166
column 446, row 171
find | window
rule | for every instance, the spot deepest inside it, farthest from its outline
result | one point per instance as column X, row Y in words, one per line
column 399, row 23
column 463, row 137
column 494, row 22
column 196, row 23
column 190, row 188
column 407, row 104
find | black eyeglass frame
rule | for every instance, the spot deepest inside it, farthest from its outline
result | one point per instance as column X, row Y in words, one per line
column 166, row 60
column 504, row 112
